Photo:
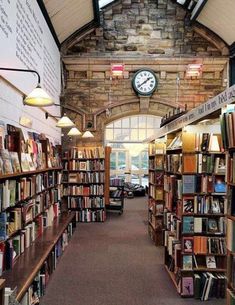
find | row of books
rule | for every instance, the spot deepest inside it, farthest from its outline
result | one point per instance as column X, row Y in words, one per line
column 191, row 142
column 13, row 191
column 13, row 247
column 192, row 262
column 154, row 207
column 156, row 192
column 116, row 182
column 227, row 123
column 157, row 148
column 156, row 178
column 156, row 222
column 231, row 168
column 39, row 284
column 195, row 163
column 84, row 177
column 204, row 225
column 204, row 285
column 87, row 215
column 204, row 204
column 94, row 189
column 85, row 153
column 157, row 163
column 13, row 220
column 85, row 202
column 89, row 165
column 116, row 193
column 203, row 245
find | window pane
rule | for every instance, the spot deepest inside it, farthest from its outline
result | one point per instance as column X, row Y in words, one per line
column 109, row 134
column 109, row 125
column 126, row 123
column 150, row 132
column 142, row 134
column 134, row 135
column 134, row 122
column 117, row 124
column 113, row 161
column 122, row 160
column 117, row 134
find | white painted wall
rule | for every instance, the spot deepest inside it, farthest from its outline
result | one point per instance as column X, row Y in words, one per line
column 12, row 108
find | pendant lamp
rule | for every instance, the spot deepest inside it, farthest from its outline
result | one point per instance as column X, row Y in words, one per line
column 74, row 131
column 65, row 122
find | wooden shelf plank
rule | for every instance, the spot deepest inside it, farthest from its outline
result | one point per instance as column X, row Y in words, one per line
column 30, row 262
column 22, row 174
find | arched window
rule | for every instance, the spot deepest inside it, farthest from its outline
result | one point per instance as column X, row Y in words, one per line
column 129, row 157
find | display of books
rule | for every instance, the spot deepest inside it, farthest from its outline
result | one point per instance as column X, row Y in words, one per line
column 25, row 163
column 15, row 162
column 187, row 262
column 6, row 160
column 210, row 262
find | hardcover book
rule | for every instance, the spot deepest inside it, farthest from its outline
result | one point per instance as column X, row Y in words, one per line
column 187, row 286
column 187, row 262
column 188, row 204
column 15, row 162
column 187, row 244
column 210, row 262
column 189, row 184
column 6, row 160
column 24, row 163
column 188, row 224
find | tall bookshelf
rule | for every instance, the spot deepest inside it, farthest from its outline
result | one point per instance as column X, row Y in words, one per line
column 227, row 127
column 195, row 206
column 156, row 191
column 85, row 183
column 32, row 223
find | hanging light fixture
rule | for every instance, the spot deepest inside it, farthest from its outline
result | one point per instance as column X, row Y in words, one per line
column 74, row 131
column 65, row 122
column 38, row 97
column 87, row 134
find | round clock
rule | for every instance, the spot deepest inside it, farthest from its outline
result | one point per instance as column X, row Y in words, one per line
column 144, row 82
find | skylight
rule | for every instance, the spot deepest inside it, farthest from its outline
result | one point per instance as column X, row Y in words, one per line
column 103, row 3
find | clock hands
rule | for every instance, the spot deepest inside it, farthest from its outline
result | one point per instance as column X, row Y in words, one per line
column 147, row 79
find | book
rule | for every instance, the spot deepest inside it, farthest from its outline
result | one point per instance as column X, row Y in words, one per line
column 187, row 244
column 213, row 225
column 205, row 141
column 210, row 261
column 219, row 185
column 188, row 224
column 187, row 262
column 188, row 141
column 188, row 204
column 6, row 161
column 190, row 163
column 189, row 184
column 15, row 162
column 25, row 163
column 187, row 286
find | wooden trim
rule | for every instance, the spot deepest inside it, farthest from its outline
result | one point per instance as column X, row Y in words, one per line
column 22, row 174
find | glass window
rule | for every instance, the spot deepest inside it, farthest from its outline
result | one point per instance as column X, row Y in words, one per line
column 126, row 123
column 134, row 122
column 109, row 134
column 122, row 160
column 117, row 134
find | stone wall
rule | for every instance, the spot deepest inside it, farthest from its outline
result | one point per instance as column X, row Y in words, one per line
column 140, row 33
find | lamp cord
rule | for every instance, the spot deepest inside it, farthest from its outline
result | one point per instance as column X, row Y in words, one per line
column 22, row 70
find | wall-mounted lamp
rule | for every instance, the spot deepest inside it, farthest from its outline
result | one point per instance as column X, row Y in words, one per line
column 74, row 131
column 38, row 97
column 63, row 122
column 194, row 70
column 117, row 70
column 26, row 122
column 87, row 134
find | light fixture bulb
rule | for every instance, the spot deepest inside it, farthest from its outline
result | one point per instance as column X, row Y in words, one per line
column 74, row 131
column 65, row 122
column 87, row 134
column 38, row 98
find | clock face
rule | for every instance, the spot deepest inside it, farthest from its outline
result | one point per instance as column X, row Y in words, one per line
column 144, row 82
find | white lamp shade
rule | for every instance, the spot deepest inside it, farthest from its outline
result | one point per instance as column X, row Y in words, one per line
column 87, row 134
column 74, row 131
column 65, row 122
column 38, row 98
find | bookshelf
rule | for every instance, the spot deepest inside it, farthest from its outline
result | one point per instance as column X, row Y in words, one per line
column 195, row 208
column 227, row 128
column 85, row 182
column 33, row 229
column 156, row 191
column 116, row 195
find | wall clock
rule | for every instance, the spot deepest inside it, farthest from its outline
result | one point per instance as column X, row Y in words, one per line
column 144, row 82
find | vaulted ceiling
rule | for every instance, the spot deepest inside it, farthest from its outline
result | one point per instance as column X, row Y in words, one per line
column 70, row 18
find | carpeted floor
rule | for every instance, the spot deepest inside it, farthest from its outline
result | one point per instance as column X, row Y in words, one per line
column 114, row 263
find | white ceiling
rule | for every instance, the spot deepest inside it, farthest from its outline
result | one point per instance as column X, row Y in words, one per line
column 68, row 16
column 219, row 16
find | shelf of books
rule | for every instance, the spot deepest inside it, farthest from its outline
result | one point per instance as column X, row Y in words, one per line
column 30, row 203
column 195, row 208
column 116, row 195
column 228, row 137
column 84, row 183
column 156, row 191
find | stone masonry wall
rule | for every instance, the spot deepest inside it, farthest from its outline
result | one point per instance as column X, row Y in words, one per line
column 139, row 33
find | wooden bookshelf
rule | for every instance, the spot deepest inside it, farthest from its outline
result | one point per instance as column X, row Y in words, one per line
column 33, row 258
column 24, row 174
column 88, row 199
